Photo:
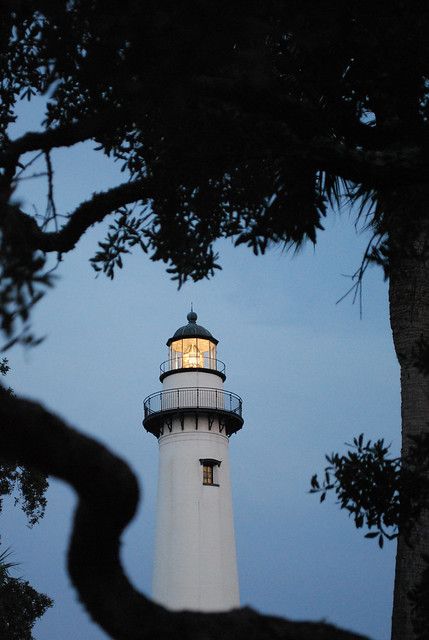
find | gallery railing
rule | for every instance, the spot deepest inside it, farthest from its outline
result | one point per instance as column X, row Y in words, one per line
column 192, row 398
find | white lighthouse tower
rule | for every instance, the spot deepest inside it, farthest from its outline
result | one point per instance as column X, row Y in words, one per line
column 193, row 417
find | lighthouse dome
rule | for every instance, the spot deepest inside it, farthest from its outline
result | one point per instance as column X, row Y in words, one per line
column 192, row 330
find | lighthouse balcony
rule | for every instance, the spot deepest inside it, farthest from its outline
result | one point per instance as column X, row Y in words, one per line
column 161, row 407
column 201, row 363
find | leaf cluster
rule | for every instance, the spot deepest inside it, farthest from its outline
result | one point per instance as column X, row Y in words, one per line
column 126, row 232
column 24, row 279
column 29, row 488
column 27, row 485
column 383, row 493
column 20, row 604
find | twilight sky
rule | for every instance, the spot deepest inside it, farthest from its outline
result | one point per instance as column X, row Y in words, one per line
column 311, row 373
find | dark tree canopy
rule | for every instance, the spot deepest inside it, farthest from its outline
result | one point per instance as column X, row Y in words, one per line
column 229, row 122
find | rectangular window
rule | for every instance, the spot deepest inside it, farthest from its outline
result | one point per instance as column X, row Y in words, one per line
column 210, row 471
column 207, row 474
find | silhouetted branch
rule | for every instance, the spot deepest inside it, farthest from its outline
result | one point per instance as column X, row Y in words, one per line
column 64, row 135
column 88, row 213
column 108, row 496
column 372, row 168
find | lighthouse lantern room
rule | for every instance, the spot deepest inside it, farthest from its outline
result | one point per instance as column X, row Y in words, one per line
column 193, row 418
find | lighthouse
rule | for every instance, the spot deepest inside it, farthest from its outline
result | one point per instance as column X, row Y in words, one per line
column 193, row 417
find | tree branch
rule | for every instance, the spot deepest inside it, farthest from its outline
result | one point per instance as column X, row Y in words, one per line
column 65, row 135
column 108, row 496
column 374, row 169
column 26, row 229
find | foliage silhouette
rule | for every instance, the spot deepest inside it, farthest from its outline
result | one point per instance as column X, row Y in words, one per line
column 28, row 486
column 380, row 492
column 20, row 604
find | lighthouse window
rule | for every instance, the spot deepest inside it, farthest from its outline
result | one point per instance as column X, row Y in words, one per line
column 207, row 474
column 210, row 469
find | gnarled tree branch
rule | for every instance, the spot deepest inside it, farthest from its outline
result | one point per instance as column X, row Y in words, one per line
column 65, row 135
column 108, row 496
column 25, row 228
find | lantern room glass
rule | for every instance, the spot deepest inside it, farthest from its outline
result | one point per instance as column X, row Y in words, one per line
column 192, row 353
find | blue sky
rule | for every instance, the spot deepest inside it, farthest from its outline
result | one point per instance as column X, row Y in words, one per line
column 312, row 374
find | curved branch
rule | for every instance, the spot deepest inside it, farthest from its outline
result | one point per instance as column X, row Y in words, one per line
column 87, row 213
column 65, row 135
column 108, row 495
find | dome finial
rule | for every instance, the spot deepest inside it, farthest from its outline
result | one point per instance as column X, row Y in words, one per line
column 192, row 316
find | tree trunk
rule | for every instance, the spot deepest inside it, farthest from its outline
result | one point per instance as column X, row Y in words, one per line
column 409, row 317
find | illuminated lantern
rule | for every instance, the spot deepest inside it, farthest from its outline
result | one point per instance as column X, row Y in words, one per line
column 192, row 347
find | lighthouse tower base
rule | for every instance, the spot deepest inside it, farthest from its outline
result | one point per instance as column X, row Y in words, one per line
column 195, row 563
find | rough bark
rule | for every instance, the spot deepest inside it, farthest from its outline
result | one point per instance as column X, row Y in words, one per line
column 108, row 495
column 409, row 316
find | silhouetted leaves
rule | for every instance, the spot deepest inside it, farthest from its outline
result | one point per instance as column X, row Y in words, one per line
column 379, row 491
column 26, row 485
column 23, row 281
column 126, row 232
column 20, row 604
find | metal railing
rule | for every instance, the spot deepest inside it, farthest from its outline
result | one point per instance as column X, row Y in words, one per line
column 192, row 398
column 205, row 363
